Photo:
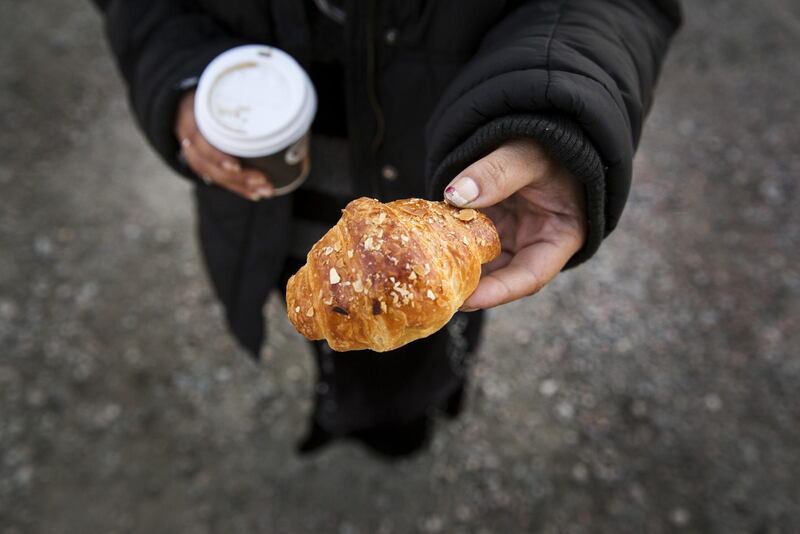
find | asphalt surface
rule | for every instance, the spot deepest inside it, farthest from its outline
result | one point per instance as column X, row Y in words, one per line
column 655, row 389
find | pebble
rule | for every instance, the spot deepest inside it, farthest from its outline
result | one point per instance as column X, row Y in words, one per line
column 548, row 387
column 680, row 517
column 132, row 231
column 36, row 397
column 433, row 524
column 522, row 336
column 639, row 408
column 463, row 512
column 712, row 402
column 163, row 235
column 565, row 410
column 580, row 472
column 294, row 373
column 107, row 415
column 23, row 476
column 43, row 246
column 8, row 309
column 223, row 374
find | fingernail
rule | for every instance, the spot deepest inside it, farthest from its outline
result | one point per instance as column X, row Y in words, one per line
column 186, row 142
column 467, row 309
column 231, row 166
column 264, row 192
column 462, row 191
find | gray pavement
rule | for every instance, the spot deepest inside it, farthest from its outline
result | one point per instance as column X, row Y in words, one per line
column 656, row 389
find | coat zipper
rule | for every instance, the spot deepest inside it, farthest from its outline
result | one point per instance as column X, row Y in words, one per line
column 372, row 90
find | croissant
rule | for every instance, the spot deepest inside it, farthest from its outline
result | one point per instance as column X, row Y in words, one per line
column 388, row 274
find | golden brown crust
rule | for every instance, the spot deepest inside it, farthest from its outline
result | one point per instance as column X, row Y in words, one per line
column 388, row 274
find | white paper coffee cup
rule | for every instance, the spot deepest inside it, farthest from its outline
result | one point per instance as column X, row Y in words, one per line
column 257, row 103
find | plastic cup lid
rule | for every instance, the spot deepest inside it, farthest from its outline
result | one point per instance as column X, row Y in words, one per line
column 254, row 101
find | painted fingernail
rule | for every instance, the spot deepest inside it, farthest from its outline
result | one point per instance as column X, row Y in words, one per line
column 462, row 191
column 264, row 192
column 231, row 166
column 186, row 142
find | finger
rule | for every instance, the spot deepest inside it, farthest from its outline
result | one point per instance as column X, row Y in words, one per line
column 224, row 161
column 213, row 163
column 498, row 175
column 255, row 181
column 258, row 183
column 185, row 124
column 215, row 174
column 525, row 274
column 498, row 263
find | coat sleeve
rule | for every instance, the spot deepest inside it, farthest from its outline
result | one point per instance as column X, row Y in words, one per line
column 578, row 76
column 158, row 45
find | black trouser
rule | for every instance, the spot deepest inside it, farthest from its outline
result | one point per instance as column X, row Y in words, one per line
column 363, row 389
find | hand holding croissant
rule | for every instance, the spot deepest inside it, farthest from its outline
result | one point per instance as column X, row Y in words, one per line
column 538, row 209
column 388, row 274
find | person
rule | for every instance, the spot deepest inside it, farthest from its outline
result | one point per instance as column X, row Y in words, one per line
column 527, row 109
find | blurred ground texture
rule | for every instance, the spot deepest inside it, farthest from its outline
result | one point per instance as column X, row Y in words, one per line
column 656, row 389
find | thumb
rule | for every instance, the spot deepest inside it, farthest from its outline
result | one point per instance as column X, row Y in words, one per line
column 498, row 175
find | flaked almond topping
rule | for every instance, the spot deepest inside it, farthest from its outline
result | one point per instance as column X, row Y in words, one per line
column 430, row 295
column 358, row 287
column 380, row 233
column 337, row 246
column 368, row 243
column 465, row 240
column 381, row 218
column 383, row 306
column 297, row 309
column 349, row 253
column 327, row 251
column 427, row 268
column 404, row 238
column 320, row 293
column 334, row 276
column 328, row 302
column 392, row 279
column 310, row 312
column 466, row 215
column 412, row 276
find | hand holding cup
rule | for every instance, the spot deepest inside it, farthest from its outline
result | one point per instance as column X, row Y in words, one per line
column 213, row 165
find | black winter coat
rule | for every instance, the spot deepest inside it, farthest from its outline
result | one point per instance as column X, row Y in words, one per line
column 430, row 87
